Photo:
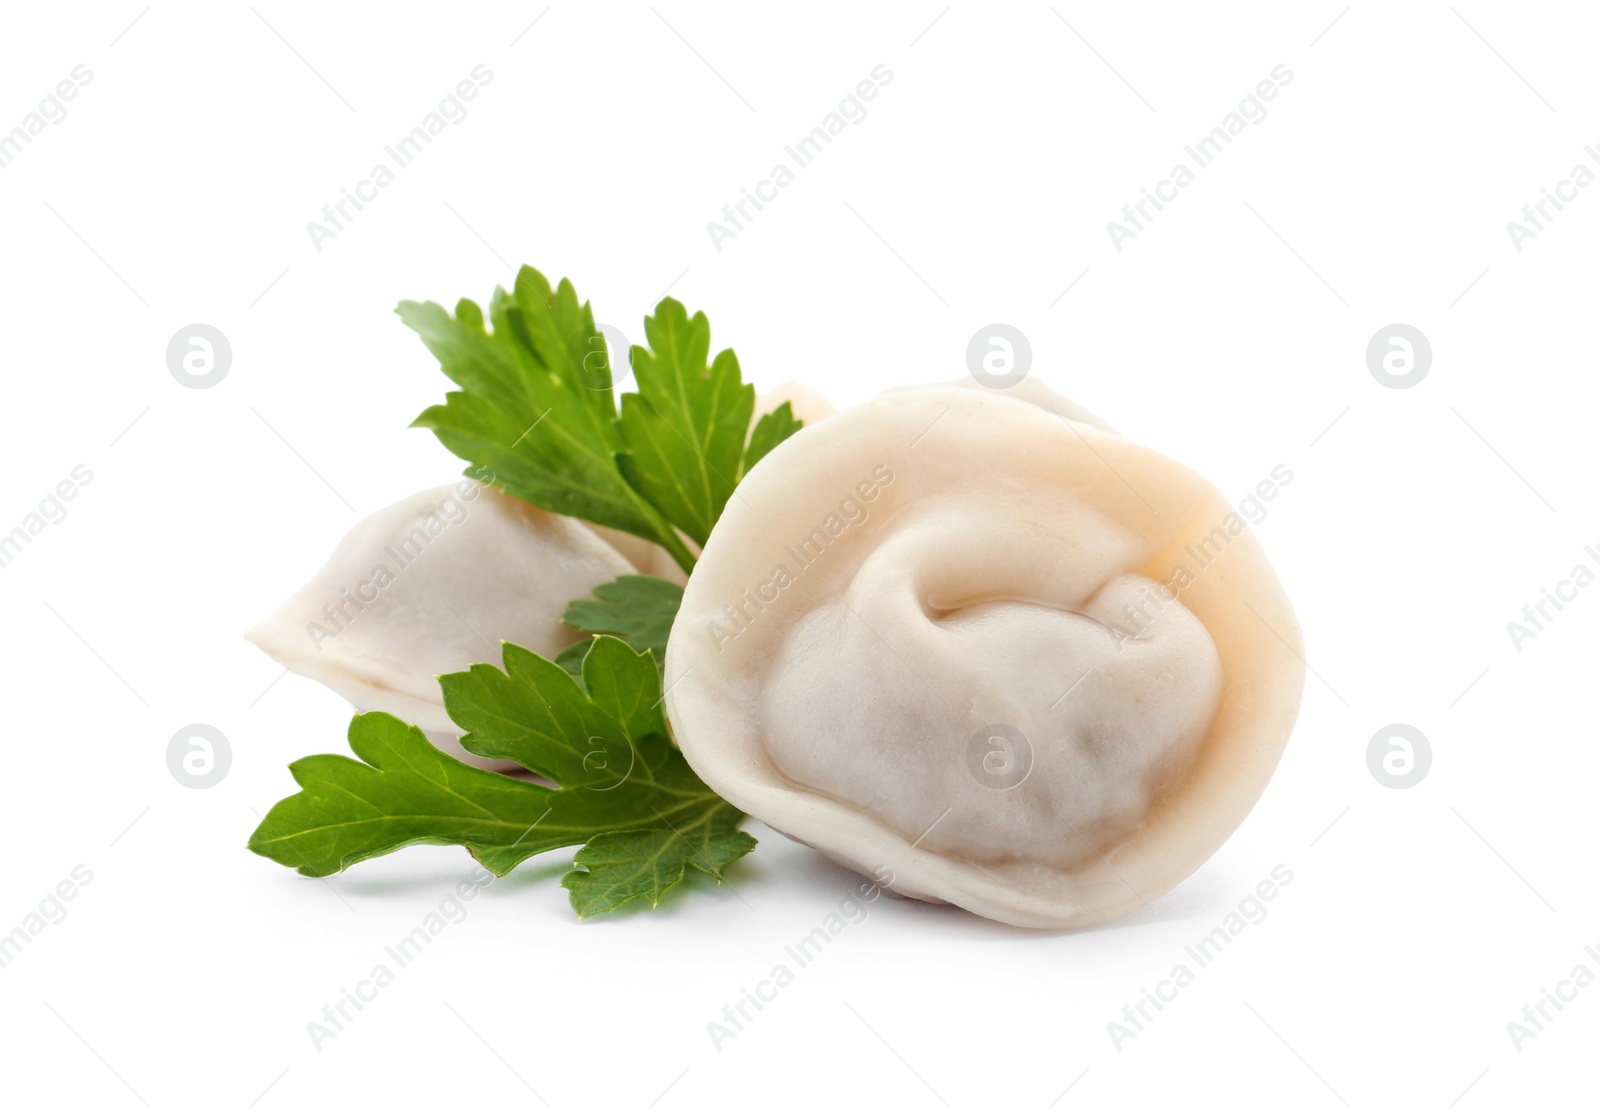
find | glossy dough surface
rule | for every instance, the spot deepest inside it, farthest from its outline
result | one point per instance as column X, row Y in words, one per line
column 980, row 647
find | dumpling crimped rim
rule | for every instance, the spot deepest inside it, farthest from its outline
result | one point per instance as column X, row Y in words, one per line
column 948, row 436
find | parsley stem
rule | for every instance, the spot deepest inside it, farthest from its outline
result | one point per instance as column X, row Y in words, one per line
column 674, row 546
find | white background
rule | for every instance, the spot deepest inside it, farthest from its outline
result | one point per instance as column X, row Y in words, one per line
column 1229, row 334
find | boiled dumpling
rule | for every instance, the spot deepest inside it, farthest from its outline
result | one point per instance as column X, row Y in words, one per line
column 644, row 555
column 1040, row 394
column 978, row 647
column 805, row 403
column 429, row 586
column 435, row 582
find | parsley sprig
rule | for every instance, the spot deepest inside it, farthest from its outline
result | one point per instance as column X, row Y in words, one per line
column 536, row 408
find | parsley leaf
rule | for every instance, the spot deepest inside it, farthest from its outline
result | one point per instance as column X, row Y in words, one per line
column 572, row 655
column 535, row 714
column 638, row 610
column 608, row 753
column 536, row 411
column 403, row 790
column 536, row 408
column 685, row 429
column 618, row 867
column 771, row 429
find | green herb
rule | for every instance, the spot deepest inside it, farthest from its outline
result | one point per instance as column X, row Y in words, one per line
column 535, row 406
column 637, row 610
column 607, row 752
column 571, row 657
column 772, row 428
column 621, row 866
column 685, row 428
column 536, row 410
